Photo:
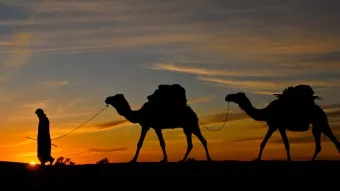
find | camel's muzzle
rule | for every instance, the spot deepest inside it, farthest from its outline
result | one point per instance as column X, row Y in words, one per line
column 227, row 99
column 107, row 100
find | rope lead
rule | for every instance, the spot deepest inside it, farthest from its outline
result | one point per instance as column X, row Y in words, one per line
column 226, row 118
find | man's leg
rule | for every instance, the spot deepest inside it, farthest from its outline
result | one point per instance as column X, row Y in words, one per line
column 51, row 160
column 42, row 162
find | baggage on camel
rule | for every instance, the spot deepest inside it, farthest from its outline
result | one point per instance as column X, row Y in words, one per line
column 297, row 102
column 302, row 95
column 169, row 97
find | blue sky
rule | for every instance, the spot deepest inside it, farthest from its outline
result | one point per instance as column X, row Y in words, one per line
column 68, row 55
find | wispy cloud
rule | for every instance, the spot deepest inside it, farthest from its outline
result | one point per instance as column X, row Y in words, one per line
column 56, row 83
column 241, row 84
column 210, row 72
column 112, row 124
column 248, row 139
column 106, row 42
column 332, row 106
column 202, row 99
column 332, row 110
column 266, row 81
column 334, row 114
column 255, row 86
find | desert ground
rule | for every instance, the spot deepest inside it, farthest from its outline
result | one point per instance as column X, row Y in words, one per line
column 201, row 175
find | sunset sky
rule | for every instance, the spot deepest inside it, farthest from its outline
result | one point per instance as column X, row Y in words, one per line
column 67, row 56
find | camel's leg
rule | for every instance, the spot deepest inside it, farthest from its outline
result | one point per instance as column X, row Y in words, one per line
column 317, row 138
column 140, row 142
column 189, row 142
column 264, row 142
column 204, row 142
column 320, row 121
column 326, row 130
column 285, row 141
column 162, row 143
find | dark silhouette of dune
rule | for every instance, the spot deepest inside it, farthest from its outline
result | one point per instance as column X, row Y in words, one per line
column 222, row 175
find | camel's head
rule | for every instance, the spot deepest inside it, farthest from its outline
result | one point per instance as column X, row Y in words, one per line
column 117, row 101
column 236, row 97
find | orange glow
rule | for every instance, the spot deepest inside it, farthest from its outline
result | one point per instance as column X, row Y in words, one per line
column 32, row 163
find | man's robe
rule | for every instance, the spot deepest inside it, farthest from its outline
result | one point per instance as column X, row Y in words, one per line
column 44, row 139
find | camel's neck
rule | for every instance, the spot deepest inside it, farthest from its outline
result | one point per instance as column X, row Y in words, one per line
column 256, row 114
column 126, row 111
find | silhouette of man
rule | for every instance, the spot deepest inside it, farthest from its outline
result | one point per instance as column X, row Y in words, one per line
column 44, row 139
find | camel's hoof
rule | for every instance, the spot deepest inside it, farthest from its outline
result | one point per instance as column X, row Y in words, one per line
column 257, row 160
column 133, row 161
column 182, row 161
column 164, row 161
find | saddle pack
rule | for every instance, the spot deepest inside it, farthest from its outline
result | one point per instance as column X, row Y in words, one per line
column 169, row 96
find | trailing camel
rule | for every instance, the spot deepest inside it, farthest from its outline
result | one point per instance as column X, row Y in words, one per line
column 293, row 113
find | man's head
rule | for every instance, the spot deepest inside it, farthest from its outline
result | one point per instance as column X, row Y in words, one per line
column 39, row 112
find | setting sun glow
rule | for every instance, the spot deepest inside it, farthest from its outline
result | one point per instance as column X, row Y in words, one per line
column 32, row 163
